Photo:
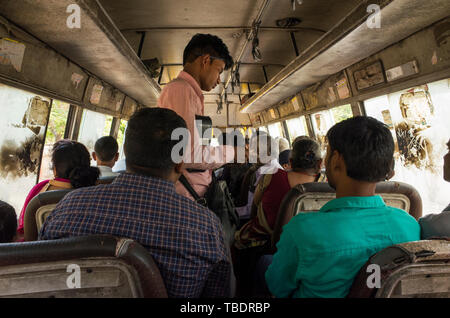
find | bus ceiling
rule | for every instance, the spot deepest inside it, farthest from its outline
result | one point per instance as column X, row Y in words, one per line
column 279, row 46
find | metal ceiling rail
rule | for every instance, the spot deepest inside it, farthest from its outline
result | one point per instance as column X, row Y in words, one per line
column 258, row 18
column 219, row 28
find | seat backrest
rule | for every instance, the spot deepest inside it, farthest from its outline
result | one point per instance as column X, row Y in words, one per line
column 47, row 199
column 408, row 270
column 90, row 266
column 309, row 197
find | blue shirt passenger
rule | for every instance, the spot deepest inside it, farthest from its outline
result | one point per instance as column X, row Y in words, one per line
column 320, row 253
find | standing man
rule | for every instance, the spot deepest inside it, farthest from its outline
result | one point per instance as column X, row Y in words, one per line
column 204, row 59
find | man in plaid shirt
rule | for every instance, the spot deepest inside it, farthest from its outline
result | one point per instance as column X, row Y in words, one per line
column 185, row 239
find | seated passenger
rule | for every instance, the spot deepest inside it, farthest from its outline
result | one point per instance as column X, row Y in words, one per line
column 283, row 159
column 320, row 253
column 306, row 163
column 106, row 155
column 233, row 173
column 266, row 163
column 438, row 225
column 8, row 223
column 71, row 169
column 185, row 239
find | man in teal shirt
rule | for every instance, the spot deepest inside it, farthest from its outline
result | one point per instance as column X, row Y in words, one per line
column 320, row 253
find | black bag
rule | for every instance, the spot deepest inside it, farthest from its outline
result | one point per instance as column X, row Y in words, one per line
column 218, row 200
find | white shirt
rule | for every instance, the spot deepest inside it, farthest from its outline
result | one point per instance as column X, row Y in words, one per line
column 107, row 171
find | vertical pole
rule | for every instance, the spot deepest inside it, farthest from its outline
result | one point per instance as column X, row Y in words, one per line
column 294, row 43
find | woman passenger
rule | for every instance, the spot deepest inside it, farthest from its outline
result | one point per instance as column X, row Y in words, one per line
column 305, row 160
column 71, row 169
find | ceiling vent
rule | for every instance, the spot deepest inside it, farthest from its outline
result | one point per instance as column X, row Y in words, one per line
column 288, row 22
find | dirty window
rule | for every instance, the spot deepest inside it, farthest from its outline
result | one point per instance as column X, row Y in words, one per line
column 418, row 120
column 55, row 131
column 324, row 120
column 275, row 130
column 93, row 126
column 297, row 127
column 23, row 120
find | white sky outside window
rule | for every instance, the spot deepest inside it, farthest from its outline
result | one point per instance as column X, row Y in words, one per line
column 275, row 130
column 297, row 127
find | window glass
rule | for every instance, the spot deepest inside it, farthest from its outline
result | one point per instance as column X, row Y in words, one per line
column 121, row 137
column 93, row 126
column 418, row 120
column 297, row 127
column 23, row 121
column 324, row 120
column 55, row 131
column 275, row 130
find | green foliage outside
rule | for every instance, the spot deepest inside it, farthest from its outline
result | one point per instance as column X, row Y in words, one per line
column 108, row 124
column 121, row 133
column 342, row 113
column 57, row 122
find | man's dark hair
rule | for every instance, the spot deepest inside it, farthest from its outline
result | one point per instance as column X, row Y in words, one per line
column 366, row 145
column 8, row 222
column 305, row 153
column 148, row 138
column 202, row 44
column 106, row 148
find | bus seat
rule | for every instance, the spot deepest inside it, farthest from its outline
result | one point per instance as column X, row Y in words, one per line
column 108, row 267
column 408, row 270
column 38, row 209
column 309, row 197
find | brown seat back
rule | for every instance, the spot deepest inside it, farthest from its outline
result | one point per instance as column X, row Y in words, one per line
column 414, row 269
column 309, row 197
column 30, row 226
column 109, row 267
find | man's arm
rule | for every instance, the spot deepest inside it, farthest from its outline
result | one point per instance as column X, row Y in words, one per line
column 281, row 274
column 435, row 225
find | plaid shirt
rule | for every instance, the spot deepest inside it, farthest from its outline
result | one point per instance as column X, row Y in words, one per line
column 185, row 239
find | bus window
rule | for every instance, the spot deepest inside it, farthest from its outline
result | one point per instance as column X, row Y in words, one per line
column 297, row 127
column 263, row 128
column 55, row 131
column 418, row 119
column 23, row 121
column 93, row 126
column 324, row 120
column 275, row 130
column 121, row 137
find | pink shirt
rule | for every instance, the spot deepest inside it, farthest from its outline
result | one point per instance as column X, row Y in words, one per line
column 184, row 96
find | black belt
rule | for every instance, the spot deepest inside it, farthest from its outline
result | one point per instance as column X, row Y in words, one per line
column 194, row 170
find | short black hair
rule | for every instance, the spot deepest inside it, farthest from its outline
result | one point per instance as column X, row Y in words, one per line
column 202, row 44
column 305, row 153
column 106, row 148
column 8, row 222
column 148, row 138
column 366, row 145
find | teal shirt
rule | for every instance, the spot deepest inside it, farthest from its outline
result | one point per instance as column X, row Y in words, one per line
column 320, row 253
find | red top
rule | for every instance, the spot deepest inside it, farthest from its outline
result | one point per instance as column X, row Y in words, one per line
column 274, row 194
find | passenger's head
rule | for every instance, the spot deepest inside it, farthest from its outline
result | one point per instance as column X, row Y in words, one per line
column 283, row 159
column 8, row 223
column 237, row 140
column 148, row 143
column 207, row 57
column 447, row 163
column 359, row 149
column 71, row 160
column 106, row 151
column 306, row 156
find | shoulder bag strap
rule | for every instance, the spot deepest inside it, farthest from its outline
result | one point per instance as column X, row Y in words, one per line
column 191, row 190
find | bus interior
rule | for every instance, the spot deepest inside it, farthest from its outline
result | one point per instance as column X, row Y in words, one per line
column 78, row 69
